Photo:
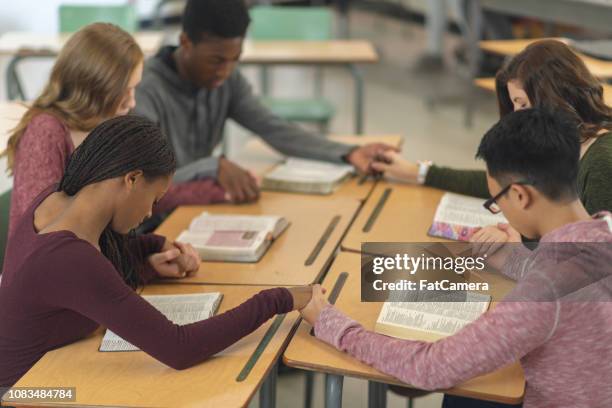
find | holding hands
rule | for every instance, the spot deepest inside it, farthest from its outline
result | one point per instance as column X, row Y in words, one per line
column 363, row 157
column 309, row 300
column 317, row 303
column 393, row 166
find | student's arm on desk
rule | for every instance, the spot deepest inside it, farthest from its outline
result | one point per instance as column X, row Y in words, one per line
column 195, row 192
column 100, row 295
column 287, row 138
column 500, row 337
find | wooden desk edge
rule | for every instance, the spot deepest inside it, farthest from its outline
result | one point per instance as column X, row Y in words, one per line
column 384, row 378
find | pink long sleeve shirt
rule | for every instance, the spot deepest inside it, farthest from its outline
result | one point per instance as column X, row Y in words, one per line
column 565, row 347
column 42, row 155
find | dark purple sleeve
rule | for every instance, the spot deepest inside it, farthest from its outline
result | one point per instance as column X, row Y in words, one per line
column 81, row 279
column 196, row 192
column 142, row 246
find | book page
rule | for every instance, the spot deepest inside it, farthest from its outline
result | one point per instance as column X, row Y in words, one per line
column 180, row 309
column 465, row 211
column 209, row 222
column 309, row 171
column 296, row 163
column 238, row 240
column 441, row 318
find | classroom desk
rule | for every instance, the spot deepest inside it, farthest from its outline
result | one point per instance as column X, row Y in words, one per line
column 14, row 43
column 10, row 113
column 488, row 84
column 405, row 215
column 134, row 379
column 306, row 352
column 298, row 257
column 23, row 45
column 260, row 158
column 600, row 68
column 332, row 53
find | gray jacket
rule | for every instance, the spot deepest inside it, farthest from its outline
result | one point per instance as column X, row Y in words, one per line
column 194, row 118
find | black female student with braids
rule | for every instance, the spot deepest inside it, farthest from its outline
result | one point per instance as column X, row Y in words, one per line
column 70, row 266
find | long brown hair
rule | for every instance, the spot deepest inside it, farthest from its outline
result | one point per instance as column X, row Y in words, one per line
column 87, row 83
column 554, row 77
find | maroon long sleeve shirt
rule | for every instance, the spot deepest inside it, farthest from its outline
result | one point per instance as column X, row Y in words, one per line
column 57, row 288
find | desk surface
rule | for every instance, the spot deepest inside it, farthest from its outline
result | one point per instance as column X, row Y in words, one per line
column 489, row 85
column 307, row 352
column 134, row 379
column 261, row 158
column 308, row 52
column 285, row 262
column 16, row 42
column 599, row 68
column 405, row 216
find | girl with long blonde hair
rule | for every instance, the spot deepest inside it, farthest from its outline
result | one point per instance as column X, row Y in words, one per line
column 93, row 79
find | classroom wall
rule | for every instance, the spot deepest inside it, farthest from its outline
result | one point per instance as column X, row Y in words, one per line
column 42, row 16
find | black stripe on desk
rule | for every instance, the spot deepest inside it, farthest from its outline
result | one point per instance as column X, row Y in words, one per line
column 377, row 210
column 322, row 241
column 246, row 370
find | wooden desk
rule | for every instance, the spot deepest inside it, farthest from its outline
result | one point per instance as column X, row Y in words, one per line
column 261, row 158
column 599, row 68
column 16, row 42
column 405, row 216
column 293, row 259
column 134, row 379
column 10, row 114
column 334, row 52
column 488, row 84
column 307, row 352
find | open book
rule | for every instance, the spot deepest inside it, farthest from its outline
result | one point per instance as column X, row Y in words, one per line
column 458, row 217
column 430, row 320
column 233, row 238
column 306, row 176
column 180, row 309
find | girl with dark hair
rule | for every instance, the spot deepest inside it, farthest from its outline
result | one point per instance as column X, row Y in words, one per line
column 547, row 74
column 71, row 267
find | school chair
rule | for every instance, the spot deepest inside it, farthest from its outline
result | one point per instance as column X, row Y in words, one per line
column 5, row 206
column 277, row 23
column 71, row 19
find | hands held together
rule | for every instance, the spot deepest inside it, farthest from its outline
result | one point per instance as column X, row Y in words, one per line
column 309, row 301
column 176, row 260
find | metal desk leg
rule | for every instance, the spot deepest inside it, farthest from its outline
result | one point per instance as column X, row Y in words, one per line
column 333, row 391
column 308, row 389
column 267, row 393
column 377, row 395
column 359, row 92
column 14, row 89
column 474, row 54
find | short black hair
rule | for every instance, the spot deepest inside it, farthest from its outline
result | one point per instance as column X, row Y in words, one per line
column 539, row 146
column 216, row 18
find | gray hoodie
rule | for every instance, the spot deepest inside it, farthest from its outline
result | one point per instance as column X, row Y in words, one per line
column 193, row 118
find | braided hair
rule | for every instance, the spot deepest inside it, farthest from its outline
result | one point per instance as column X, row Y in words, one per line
column 113, row 149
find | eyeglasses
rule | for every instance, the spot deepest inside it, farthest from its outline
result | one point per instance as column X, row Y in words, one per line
column 491, row 203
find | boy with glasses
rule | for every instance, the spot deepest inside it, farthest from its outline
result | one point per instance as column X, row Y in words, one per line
column 557, row 320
